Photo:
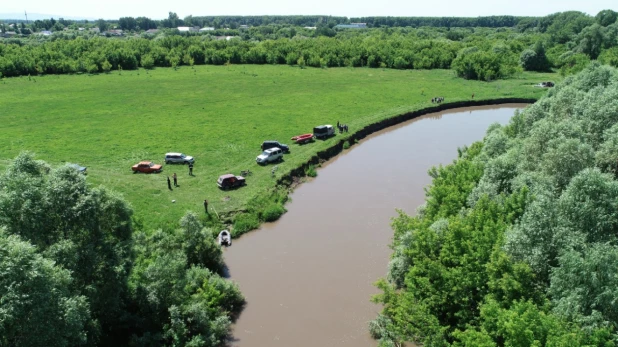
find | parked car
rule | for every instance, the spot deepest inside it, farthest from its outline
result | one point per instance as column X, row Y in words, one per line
column 230, row 181
column 269, row 156
column 271, row 144
column 178, row 158
column 146, row 167
column 81, row 169
column 323, row 131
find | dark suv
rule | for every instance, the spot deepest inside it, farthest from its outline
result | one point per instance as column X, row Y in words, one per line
column 270, row 144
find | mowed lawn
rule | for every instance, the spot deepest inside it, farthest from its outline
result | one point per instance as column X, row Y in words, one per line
column 218, row 114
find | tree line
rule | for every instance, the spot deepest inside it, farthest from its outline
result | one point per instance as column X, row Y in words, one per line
column 76, row 268
column 517, row 243
column 566, row 41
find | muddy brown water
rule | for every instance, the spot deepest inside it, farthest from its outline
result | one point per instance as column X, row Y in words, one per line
column 308, row 278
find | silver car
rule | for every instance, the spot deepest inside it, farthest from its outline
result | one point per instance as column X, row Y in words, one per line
column 270, row 155
column 178, row 158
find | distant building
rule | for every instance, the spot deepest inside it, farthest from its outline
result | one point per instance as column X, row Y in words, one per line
column 310, row 28
column 352, row 26
column 115, row 32
column 96, row 30
column 9, row 34
column 207, row 29
column 243, row 26
column 188, row 29
column 45, row 32
column 152, row 31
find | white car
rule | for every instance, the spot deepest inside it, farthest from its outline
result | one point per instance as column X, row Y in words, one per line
column 178, row 158
column 270, row 155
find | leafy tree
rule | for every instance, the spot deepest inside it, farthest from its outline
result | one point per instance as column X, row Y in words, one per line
column 606, row 17
column 147, row 62
column 102, row 25
column 583, row 288
column 86, row 231
column 38, row 307
column 106, row 66
column 535, row 59
column 591, row 40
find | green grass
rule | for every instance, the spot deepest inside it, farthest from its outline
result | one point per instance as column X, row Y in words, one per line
column 219, row 114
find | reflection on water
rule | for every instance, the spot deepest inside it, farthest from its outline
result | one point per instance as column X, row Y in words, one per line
column 308, row 278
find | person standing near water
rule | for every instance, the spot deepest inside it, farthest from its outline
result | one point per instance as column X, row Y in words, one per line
column 206, row 206
column 175, row 180
column 169, row 183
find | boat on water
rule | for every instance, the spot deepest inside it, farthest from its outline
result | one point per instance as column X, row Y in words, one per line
column 225, row 239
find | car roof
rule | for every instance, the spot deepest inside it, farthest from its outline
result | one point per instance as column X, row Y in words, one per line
column 226, row 176
column 173, row 153
column 272, row 149
column 144, row 163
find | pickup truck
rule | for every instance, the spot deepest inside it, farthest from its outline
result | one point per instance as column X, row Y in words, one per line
column 323, row 131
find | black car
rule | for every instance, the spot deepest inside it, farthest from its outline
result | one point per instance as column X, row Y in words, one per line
column 270, row 144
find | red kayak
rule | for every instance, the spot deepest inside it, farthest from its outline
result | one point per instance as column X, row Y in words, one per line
column 302, row 138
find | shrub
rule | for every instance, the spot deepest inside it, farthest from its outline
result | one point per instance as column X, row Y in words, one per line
column 272, row 212
column 310, row 171
column 244, row 222
column 346, row 145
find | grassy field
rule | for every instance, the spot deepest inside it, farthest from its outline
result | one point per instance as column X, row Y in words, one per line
column 218, row 114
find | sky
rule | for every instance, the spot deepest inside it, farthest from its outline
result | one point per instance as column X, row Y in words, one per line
column 157, row 9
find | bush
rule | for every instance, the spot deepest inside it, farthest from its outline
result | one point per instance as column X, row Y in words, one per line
column 272, row 212
column 244, row 222
column 148, row 62
column 310, row 171
column 346, row 145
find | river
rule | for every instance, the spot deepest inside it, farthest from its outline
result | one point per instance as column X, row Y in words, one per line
column 308, row 277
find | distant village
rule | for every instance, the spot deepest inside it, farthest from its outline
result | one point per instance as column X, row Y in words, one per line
column 20, row 29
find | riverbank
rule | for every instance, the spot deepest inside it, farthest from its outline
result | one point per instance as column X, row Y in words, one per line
column 354, row 137
column 295, row 177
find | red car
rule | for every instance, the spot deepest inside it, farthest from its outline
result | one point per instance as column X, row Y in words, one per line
column 230, row 181
column 146, row 167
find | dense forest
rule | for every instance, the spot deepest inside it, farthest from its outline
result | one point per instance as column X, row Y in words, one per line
column 495, row 47
column 517, row 242
column 76, row 270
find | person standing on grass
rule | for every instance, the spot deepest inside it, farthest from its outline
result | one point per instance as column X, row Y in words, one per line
column 206, row 206
column 175, row 180
column 169, row 183
column 190, row 169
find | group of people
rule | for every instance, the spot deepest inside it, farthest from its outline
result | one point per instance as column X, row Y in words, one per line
column 437, row 100
column 342, row 127
column 169, row 183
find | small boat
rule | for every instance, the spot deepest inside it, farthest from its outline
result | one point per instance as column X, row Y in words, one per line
column 303, row 138
column 225, row 239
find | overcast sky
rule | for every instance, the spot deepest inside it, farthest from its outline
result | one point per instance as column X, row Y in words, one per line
column 156, row 9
